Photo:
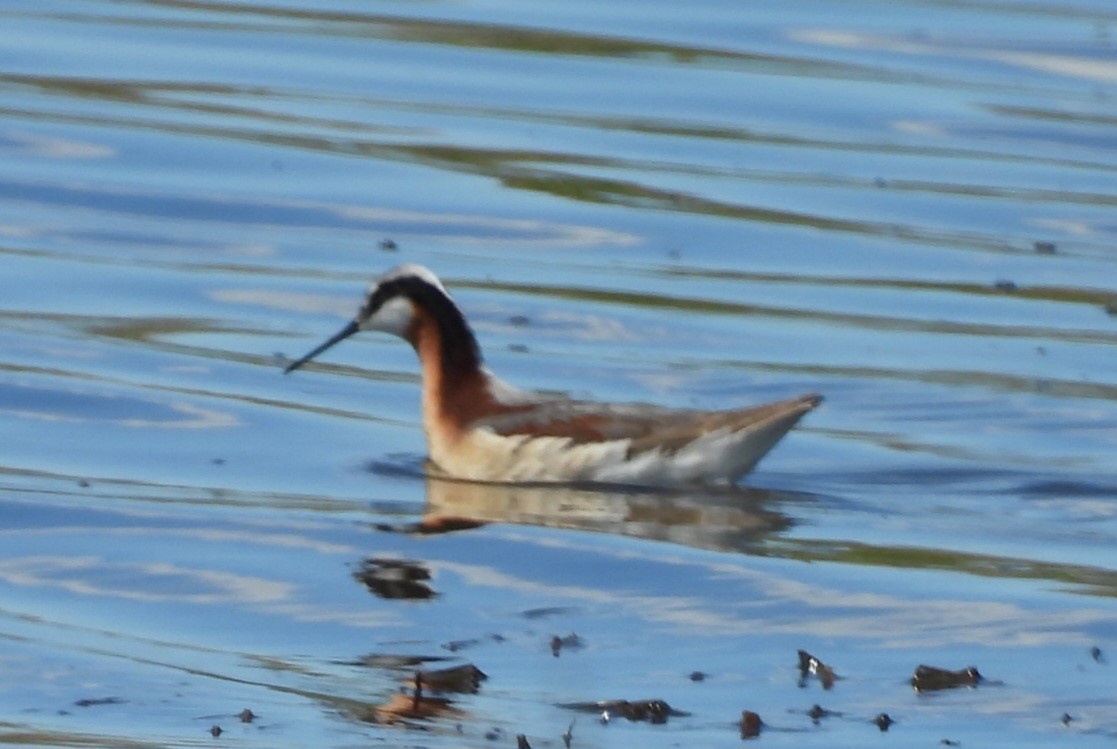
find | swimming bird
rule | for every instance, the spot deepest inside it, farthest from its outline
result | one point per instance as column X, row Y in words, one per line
column 480, row 428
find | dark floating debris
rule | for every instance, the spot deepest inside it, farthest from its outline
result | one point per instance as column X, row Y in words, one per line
column 818, row 712
column 570, row 642
column 883, row 721
column 519, row 321
column 431, row 526
column 396, row 579
column 246, row 716
column 950, row 742
column 83, row 483
column 1045, row 248
column 455, row 645
column 652, row 711
column 750, row 724
column 521, row 742
column 1066, row 719
column 568, row 736
column 1098, row 655
column 809, row 665
column 388, row 245
column 466, row 678
column 215, row 731
column 930, row 678
column 545, row 611
column 697, row 676
column 449, row 524
column 395, row 660
column 98, row 701
column 1005, row 285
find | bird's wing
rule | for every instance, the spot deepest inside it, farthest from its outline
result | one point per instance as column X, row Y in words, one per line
column 647, row 427
column 672, row 436
column 579, row 421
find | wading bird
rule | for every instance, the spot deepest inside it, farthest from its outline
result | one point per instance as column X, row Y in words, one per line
column 479, row 428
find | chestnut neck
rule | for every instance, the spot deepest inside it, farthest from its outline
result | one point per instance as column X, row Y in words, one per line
column 454, row 383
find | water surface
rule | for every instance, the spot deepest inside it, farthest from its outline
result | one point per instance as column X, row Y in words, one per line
column 907, row 207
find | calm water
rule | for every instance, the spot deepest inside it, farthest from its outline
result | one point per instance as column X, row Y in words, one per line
column 692, row 204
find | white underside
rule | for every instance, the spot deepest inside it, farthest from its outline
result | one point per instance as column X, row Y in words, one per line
column 717, row 457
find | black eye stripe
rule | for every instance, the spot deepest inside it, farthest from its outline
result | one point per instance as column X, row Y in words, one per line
column 380, row 296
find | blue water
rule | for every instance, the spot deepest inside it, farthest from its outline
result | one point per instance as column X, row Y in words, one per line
column 702, row 206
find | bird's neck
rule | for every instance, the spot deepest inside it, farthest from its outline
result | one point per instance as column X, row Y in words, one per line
column 454, row 383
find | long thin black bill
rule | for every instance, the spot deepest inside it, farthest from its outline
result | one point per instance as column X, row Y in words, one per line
column 341, row 335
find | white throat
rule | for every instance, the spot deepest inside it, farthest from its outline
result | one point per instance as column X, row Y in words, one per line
column 394, row 317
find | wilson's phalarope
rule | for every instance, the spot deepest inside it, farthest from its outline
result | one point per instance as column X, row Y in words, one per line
column 479, row 428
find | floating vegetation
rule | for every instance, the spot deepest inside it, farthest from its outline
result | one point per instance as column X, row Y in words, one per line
column 396, row 579
column 811, row 666
column 750, row 724
column 651, row 711
column 930, row 678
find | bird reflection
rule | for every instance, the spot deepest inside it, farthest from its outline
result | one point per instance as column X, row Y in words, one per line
column 731, row 520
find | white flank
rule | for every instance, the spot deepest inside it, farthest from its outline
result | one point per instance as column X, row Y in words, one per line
column 483, row 455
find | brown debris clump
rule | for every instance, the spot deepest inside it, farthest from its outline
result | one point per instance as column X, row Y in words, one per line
column 930, row 678
column 652, row 711
column 466, row 678
column 808, row 665
column 750, row 724
column 431, row 526
column 396, row 579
